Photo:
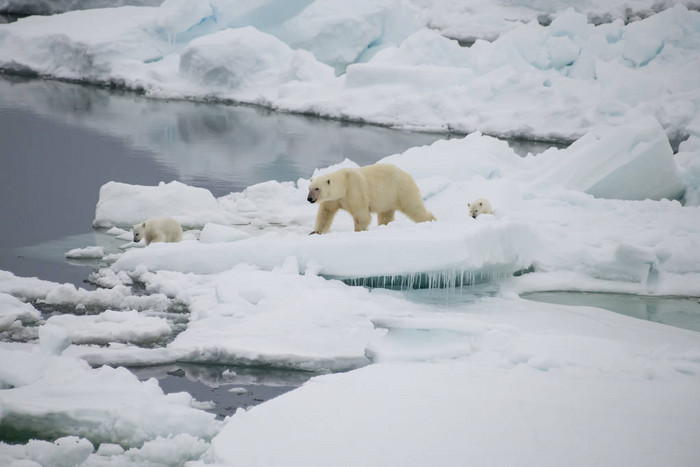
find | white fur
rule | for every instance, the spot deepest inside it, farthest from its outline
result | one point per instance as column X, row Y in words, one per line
column 380, row 188
column 159, row 229
column 479, row 206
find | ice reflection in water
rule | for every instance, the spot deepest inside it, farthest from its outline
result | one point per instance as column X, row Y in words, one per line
column 674, row 311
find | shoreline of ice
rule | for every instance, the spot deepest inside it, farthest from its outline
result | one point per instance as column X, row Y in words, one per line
column 379, row 63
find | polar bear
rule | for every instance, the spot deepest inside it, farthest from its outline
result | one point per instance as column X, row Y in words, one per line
column 479, row 206
column 380, row 188
column 158, row 229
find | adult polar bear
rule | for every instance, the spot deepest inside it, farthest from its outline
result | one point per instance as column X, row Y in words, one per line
column 380, row 188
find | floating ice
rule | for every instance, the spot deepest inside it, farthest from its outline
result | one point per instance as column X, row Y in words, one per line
column 125, row 205
column 261, row 292
column 51, row 293
column 52, row 396
column 90, row 252
column 111, row 326
column 14, row 313
column 506, row 247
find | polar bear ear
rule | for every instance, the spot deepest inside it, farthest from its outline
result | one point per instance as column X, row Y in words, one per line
column 143, row 225
column 328, row 181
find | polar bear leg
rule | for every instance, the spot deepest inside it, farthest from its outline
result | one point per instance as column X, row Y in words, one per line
column 383, row 218
column 362, row 220
column 155, row 237
column 325, row 215
column 415, row 210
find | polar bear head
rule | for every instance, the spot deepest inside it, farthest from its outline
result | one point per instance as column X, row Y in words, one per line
column 139, row 231
column 479, row 206
column 326, row 188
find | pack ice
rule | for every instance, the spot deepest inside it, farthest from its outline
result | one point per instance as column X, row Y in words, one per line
column 399, row 377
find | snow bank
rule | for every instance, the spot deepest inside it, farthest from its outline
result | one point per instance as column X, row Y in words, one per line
column 51, row 396
column 557, row 81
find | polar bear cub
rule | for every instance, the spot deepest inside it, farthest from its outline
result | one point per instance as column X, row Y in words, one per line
column 479, row 206
column 158, row 229
column 379, row 188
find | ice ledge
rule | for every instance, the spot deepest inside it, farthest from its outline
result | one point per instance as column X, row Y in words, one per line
column 436, row 253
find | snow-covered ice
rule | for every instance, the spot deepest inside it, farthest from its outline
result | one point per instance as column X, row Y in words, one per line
column 380, row 61
column 479, row 378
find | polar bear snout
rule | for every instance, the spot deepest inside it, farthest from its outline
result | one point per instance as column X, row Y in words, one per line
column 313, row 195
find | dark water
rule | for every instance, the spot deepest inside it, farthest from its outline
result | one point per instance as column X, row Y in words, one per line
column 226, row 388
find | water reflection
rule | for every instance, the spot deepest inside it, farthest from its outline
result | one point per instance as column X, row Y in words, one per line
column 61, row 142
column 226, row 389
column 224, row 148
column 680, row 312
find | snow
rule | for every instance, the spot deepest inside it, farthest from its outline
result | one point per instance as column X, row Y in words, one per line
column 15, row 313
column 122, row 205
column 463, row 371
column 59, row 396
column 90, row 252
column 216, row 233
column 111, row 326
column 448, row 412
column 390, row 62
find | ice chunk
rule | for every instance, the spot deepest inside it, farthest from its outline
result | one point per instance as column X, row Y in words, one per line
column 688, row 160
column 89, row 252
column 337, row 33
column 633, row 161
column 54, row 339
column 232, row 60
column 67, row 451
column 118, row 297
column 15, row 313
column 111, row 326
column 124, row 205
column 62, row 396
column 177, row 16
